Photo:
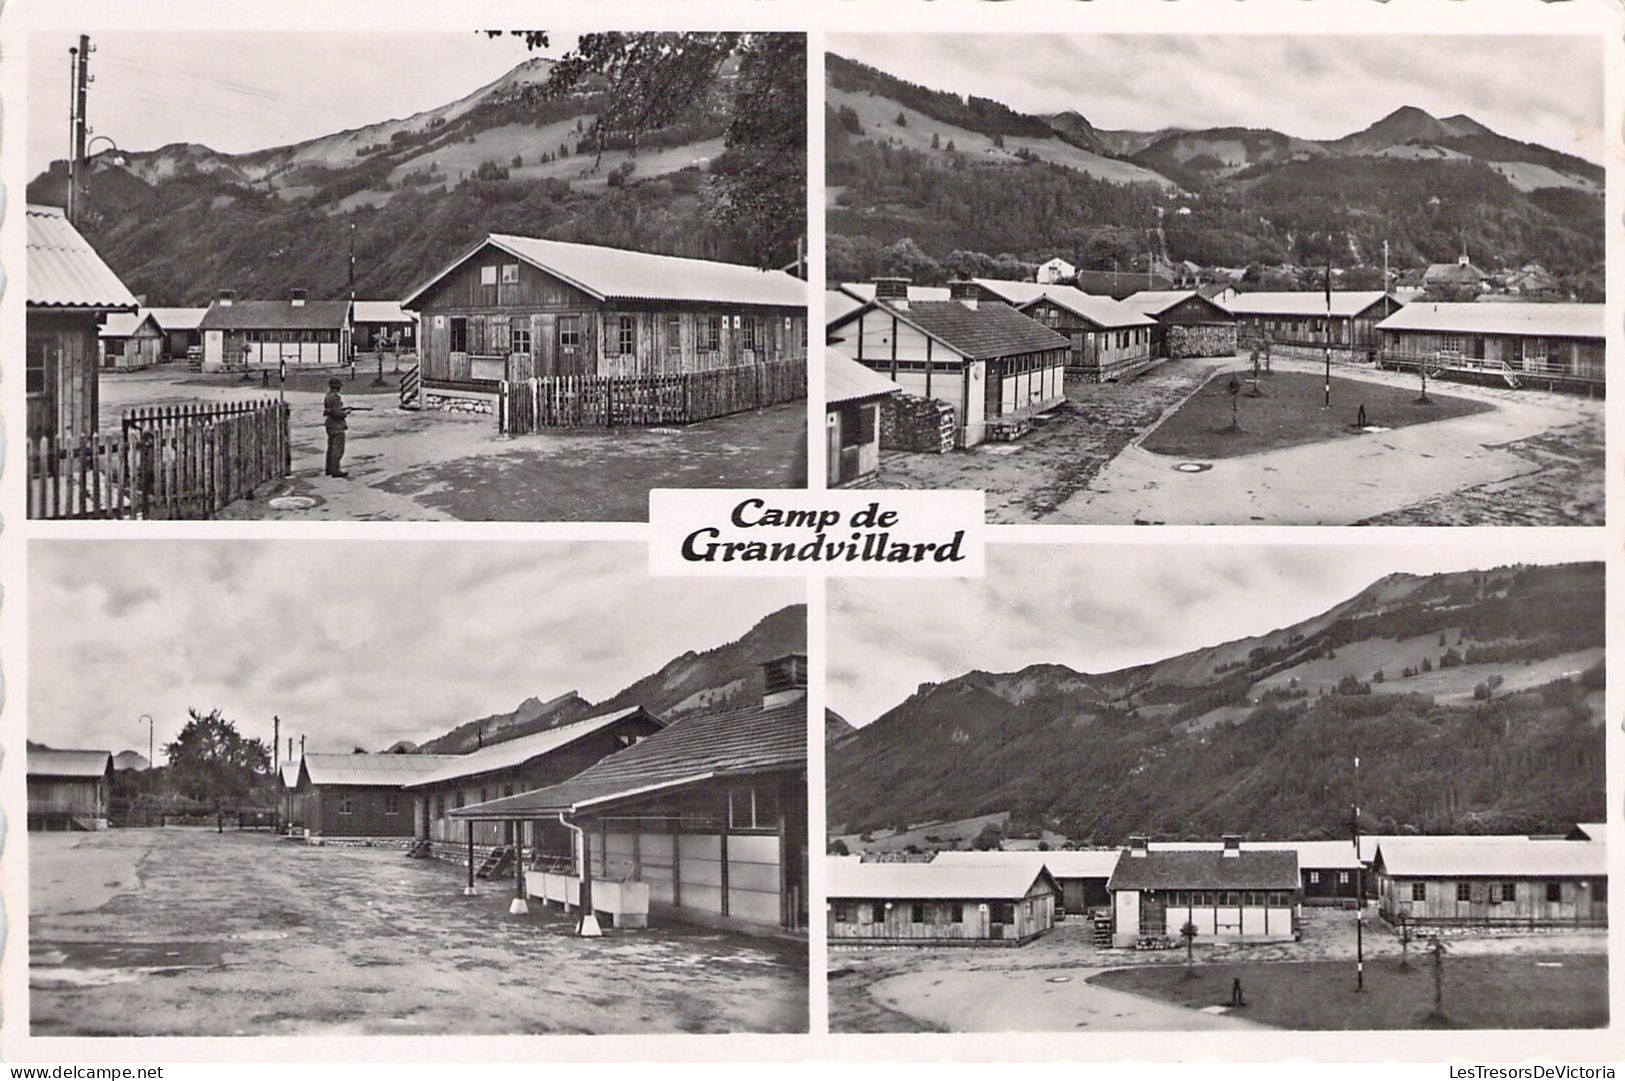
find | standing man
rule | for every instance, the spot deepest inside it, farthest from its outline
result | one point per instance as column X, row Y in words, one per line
column 334, row 414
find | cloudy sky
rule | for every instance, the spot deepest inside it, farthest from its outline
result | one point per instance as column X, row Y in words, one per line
column 351, row 643
column 1539, row 89
column 152, row 89
column 1099, row 608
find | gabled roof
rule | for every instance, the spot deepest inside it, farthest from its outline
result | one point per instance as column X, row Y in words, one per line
column 1087, row 863
column 1370, row 842
column 53, row 763
column 178, row 318
column 1313, row 855
column 845, row 380
column 1154, row 302
column 516, row 752
column 689, row 751
column 1206, row 870
column 1406, row 858
column 838, row 304
column 995, row 881
column 989, row 330
column 1453, row 274
column 124, row 324
column 385, row 770
column 618, row 274
column 381, row 311
column 1535, row 320
column 1306, row 302
column 866, row 291
column 276, row 315
column 1102, row 311
column 64, row 271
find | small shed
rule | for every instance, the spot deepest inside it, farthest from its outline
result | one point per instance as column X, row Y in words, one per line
column 69, row 291
column 993, row 903
column 1229, row 895
column 68, row 789
column 1189, row 323
column 360, row 795
column 1519, row 883
column 132, row 340
column 1081, row 874
column 853, row 398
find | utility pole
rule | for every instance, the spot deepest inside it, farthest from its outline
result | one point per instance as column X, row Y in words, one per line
column 148, row 718
column 1359, row 890
column 301, row 748
column 79, row 59
column 276, row 744
column 1327, row 343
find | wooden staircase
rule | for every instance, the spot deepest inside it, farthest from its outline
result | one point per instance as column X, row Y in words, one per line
column 1510, row 376
column 411, row 388
column 497, row 864
column 419, row 849
column 1101, row 933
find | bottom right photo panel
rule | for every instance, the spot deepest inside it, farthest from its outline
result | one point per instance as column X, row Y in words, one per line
column 1166, row 787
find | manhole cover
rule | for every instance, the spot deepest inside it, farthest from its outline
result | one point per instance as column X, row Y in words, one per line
column 1375, row 428
column 1193, row 467
column 666, row 431
column 293, row 502
column 1059, row 979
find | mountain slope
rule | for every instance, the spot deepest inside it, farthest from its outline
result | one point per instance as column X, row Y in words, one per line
column 1486, row 715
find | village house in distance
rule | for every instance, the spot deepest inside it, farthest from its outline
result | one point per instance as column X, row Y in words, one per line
column 1243, row 346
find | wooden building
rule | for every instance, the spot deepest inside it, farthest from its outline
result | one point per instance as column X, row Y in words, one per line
column 182, row 329
column 512, row 766
column 360, row 795
column 1558, row 344
column 995, row 366
column 68, row 292
column 1299, row 321
column 853, row 397
column 1081, row 875
column 1110, row 341
column 383, row 326
column 68, row 790
column 1188, row 323
column 1329, row 872
column 704, row 821
column 131, row 340
column 297, row 332
column 1521, row 882
column 513, row 307
column 990, row 903
column 1229, row 895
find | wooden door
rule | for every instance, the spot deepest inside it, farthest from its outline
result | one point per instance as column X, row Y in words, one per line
column 1153, row 913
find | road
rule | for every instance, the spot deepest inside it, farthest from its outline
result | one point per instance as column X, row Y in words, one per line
column 195, row 933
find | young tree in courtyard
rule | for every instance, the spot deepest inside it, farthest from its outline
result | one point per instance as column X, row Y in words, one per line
column 1188, row 933
column 211, row 761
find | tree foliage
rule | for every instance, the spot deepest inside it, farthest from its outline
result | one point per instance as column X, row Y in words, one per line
column 211, row 761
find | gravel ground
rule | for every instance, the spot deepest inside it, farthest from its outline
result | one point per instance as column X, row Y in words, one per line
column 193, row 933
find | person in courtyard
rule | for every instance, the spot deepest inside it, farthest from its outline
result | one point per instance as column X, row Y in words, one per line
column 334, row 418
column 1360, row 421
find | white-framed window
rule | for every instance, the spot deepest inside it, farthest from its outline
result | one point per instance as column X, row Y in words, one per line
column 519, row 335
column 626, row 335
column 392, row 803
column 713, row 334
column 569, row 332
column 510, row 273
column 488, row 275
column 346, row 804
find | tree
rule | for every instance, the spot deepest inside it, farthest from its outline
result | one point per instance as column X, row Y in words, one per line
column 989, row 839
column 902, row 121
column 936, row 141
column 838, row 847
column 211, row 761
column 1437, row 950
column 1188, row 933
column 1407, row 932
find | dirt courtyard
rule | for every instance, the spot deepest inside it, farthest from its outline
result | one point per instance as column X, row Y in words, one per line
column 413, row 466
column 1052, row 985
column 188, row 932
column 1519, row 457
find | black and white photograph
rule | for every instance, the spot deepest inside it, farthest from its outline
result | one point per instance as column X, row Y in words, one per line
column 386, row 275
column 331, row 788
column 1270, row 279
column 1198, row 788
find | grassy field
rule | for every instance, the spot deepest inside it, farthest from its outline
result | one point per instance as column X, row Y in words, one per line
column 1519, row 992
column 1289, row 413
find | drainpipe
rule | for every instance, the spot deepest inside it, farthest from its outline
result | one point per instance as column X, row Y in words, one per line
column 588, row 927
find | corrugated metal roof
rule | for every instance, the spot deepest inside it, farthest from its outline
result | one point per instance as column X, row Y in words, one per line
column 64, row 271
column 1089, row 863
column 178, row 318
column 690, row 750
column 865, row 291
column 1532, row 320
column 838, row 304
column 387, row 770
column 929, row 881
column 516, row 752
column 381, row 311
column 1405, row 858
column 1206, row 870
column 845, row 380
column 989, row 330
column 1370, row 841
column 53, row 763
column 1102, row 311
column 618, row 274
column 276, row 315
column 1304, row 302
column 124, row 324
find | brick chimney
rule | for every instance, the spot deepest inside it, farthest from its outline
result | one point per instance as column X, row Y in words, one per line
column 784, row 680
column 892, row 291
column 1232, row 845
column 1138, row 845
column 965, row 291
column 225, row 297
column 297, row 297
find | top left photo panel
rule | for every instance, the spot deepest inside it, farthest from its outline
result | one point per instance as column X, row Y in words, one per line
column 478, row 276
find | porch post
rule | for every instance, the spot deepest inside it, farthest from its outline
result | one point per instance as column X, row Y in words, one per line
column 588, row 926
column 468, row 890
column 519, row 906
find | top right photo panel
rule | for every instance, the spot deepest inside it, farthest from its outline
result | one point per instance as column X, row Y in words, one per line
column 1220, row 280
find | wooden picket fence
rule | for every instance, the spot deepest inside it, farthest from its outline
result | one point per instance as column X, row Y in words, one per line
column 528, row 405
column 173, row 462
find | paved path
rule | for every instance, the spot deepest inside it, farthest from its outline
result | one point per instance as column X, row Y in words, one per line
column 1330, row 483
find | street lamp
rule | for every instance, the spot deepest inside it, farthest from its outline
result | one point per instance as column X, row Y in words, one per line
column 148, row 718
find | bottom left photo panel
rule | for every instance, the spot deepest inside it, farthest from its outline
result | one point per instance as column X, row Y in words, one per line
column 314, row 787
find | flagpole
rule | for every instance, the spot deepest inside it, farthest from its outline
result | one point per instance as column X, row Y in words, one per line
column 1359, row 890
column 1327, row 343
